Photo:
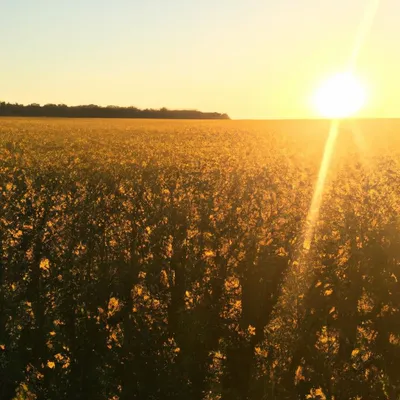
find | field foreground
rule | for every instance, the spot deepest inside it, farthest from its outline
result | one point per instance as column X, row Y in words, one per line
column 146, row 259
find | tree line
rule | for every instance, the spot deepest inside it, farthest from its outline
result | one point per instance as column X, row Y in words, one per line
column 95, row 111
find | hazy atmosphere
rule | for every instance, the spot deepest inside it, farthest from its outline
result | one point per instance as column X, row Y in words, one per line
column 253, row 59
column 199, row 200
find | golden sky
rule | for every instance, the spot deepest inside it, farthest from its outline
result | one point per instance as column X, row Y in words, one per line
column 251, row 59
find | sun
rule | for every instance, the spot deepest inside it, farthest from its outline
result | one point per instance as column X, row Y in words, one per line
column 341, row 96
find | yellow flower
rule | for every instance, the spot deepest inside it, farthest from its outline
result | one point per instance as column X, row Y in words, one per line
column 251, row 330
column 45, row 264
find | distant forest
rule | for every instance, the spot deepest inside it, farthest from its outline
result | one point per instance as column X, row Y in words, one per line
column 94, row 111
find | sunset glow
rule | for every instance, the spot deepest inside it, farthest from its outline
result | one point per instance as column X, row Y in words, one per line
column 342, row 95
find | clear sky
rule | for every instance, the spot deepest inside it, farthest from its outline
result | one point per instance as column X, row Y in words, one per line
column 249, row 58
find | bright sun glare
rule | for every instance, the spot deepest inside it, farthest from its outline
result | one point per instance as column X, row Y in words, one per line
column 341, row 96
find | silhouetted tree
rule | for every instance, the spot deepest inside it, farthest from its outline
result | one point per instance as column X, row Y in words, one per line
column 94, row 111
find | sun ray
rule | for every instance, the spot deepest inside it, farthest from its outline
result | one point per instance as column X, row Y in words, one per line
column 363, row 31
column 313, row 214
column 314, row 209
column 298, row 280
column 359, row 141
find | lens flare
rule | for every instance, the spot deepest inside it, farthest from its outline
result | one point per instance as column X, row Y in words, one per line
column 313, row 212
column 335, row 101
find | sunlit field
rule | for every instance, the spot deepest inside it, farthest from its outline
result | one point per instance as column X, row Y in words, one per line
column 158, row 259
